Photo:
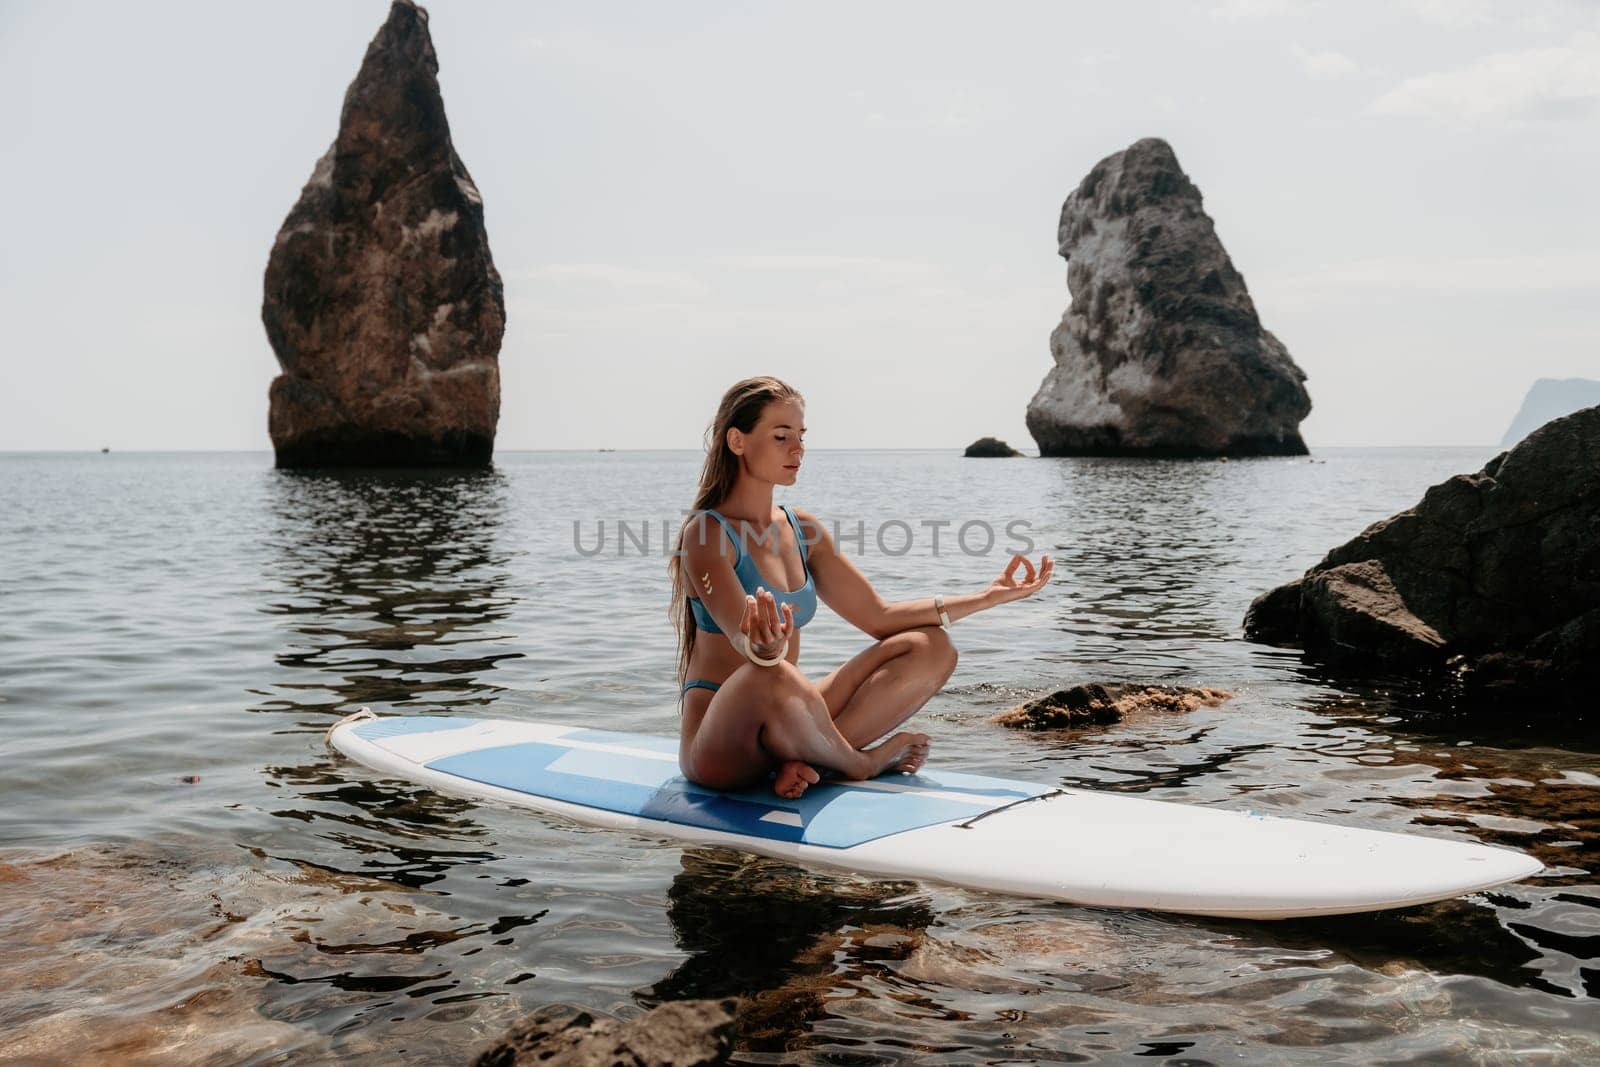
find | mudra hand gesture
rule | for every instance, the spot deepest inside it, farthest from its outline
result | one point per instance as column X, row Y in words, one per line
column 764, row 625
column 1008, row 587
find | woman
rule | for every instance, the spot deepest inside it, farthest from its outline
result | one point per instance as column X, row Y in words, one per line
column 747, row 577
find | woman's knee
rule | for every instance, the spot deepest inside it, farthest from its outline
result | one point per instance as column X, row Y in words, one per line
column 782, row 683
column 793, row 688
column 934, row 643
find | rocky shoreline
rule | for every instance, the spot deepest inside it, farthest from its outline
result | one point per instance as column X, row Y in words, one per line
column 1488, row 589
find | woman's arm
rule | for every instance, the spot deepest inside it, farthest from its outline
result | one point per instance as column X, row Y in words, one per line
column 707, row 562
column 842, row 586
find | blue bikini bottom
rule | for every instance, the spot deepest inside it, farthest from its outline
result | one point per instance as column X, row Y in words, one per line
column 700, row 683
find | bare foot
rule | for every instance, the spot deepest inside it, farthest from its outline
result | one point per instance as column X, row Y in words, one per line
column 904, row 752
column 914, row 759
column 793, row 778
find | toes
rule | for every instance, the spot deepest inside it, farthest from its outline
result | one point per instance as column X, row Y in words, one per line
column 793, row 778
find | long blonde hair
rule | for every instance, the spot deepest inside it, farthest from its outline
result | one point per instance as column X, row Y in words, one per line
column 740, row 409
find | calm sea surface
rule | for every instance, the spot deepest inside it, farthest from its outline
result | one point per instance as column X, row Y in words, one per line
column 188, row 873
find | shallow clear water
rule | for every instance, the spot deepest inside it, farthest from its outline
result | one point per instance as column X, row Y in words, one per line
column 187, row 872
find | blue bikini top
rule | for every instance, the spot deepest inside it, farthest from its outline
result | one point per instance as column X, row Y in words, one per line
column 803, row 599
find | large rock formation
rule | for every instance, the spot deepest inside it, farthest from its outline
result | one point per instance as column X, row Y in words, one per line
column 382, row 303
column 1551, row 398
column 1160, row 352
column 1495, row 574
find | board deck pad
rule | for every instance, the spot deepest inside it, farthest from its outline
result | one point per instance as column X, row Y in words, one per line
column 637, row 774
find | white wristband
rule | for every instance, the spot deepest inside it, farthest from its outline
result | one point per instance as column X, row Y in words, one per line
column 749, row 653
column 938, row 605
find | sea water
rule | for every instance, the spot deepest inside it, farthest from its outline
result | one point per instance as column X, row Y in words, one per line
column 188, row 873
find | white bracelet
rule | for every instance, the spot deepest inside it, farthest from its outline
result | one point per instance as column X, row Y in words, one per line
column 749, row 653
column 938, row 605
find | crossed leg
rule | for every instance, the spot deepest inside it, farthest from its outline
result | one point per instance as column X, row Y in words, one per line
column 875, row 691
column 885, row 684
column 761, row 717
column 768, row 716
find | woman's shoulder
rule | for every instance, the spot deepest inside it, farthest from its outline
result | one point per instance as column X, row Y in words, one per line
column 811, row 527
column 704, row 529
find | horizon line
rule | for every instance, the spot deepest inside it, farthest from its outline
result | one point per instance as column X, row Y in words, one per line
column 699, row 451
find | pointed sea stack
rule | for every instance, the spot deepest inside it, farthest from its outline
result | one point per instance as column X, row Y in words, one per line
column 382, row 302
column 1160, row 352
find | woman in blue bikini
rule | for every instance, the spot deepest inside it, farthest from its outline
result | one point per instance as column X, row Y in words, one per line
column 746, row 577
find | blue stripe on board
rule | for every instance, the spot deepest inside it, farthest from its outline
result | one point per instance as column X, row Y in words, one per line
column 609, row 766
column 398, row 725
column 966, row 783
column 834, row 815
column 651, row 742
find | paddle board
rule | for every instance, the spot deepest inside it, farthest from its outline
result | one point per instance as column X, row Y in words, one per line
column 1023, row 838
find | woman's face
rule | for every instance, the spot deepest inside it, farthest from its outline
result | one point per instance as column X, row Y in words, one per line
column 774, row 449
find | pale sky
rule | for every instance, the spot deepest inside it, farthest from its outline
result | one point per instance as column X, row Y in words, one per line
column 860, row 198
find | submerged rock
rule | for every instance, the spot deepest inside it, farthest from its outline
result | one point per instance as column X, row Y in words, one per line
column 1551, row 398
column 682, row 1033
column 1495, row 575
column 382, row 303
column 1098, row 704
column 788, row 974
column 990, row 448
column 1160, row 352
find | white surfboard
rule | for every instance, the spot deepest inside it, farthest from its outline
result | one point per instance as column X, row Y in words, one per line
column 1022, row 838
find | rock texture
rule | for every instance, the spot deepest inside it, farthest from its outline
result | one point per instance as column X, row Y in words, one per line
column 990, row 448
column 382, row 302
column 683, row 1033
column 1551, row 398
column 1494, row 575
column 1098, row 704
column 1160, row 352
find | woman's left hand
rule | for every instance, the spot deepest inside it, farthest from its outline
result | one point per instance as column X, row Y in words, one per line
column 1008, row 587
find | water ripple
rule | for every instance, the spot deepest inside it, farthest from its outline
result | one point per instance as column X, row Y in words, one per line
column 188, row 873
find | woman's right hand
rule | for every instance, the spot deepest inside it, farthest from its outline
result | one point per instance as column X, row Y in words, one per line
column 764, row 625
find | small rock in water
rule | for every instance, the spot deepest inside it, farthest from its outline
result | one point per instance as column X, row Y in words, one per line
column 680, row 1034
column 990, row 447
column 1099, row 704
